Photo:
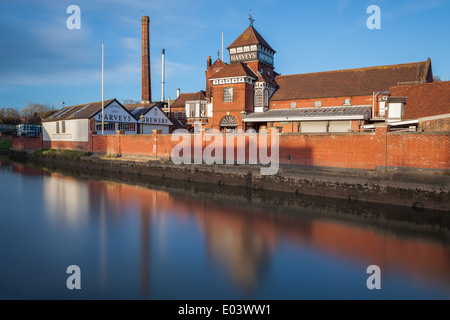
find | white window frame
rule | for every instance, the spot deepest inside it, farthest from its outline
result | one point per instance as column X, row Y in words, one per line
column 228, row 94
column 259, row 98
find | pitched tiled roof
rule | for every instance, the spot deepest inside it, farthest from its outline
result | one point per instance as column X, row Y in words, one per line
column 235, row 70
column 305, row 114
column 352, row 82
column 82, row 111
column 180, row 102
column 218, row 64
column 266, row 78
column 424, row 100
column 248, row 37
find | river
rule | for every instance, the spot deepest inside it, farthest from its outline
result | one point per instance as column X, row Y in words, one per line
column 141, row 239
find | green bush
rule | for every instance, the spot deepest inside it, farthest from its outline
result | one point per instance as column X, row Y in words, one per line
column 5, row 144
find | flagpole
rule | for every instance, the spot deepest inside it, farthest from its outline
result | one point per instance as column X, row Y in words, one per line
column 103, row 101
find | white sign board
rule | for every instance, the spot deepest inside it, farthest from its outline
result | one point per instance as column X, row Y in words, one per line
column 156, row 116
column 115, row 113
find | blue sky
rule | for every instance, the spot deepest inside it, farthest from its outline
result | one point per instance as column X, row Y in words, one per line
column 42, row 61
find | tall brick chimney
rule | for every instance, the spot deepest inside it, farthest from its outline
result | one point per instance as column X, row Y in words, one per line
column 146, row 75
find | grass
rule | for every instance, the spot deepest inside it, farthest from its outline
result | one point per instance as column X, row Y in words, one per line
column 110, row 155
column 5, row 144
column 61, row 154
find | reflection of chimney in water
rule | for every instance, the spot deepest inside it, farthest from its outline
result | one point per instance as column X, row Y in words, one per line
column 146, row 74
column 145, row 223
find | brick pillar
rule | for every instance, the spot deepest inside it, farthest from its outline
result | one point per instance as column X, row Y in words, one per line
column 90, row 142
column 155, row 142
column 382, row 147
column 146, row 74
column 198, row 144
column 118, row 151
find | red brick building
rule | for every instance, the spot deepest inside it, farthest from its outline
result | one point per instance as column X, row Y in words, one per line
column 427, row 105
column 338, row 101
column 248, row 93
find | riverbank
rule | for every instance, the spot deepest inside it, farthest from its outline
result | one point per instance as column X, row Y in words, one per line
column 410, row 188
column 5, row 145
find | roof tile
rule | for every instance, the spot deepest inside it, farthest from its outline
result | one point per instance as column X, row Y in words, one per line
column 180, row 102
column 235, row 70
column 424, row 100
column 248, row 37
column 351, row 82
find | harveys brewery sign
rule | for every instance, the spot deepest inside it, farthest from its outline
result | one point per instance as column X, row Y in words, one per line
column 115, row 113
column 155, row 116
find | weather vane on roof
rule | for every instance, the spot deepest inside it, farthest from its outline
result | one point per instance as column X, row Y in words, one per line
column 250, row 18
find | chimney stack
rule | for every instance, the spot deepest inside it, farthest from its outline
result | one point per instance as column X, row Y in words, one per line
column 208, row 62
column 178, row 92
column 162, row 73
column 146, row 75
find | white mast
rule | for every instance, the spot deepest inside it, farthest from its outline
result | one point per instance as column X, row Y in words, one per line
column 103, row 101
column 162, row 80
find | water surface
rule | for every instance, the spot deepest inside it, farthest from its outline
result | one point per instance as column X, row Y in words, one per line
column 191, row 242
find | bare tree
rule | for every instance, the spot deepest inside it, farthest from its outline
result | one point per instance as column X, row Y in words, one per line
column 34, row 113
column 9, row 116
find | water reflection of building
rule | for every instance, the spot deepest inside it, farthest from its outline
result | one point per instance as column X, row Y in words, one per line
column 240, row 239
column 66, row 199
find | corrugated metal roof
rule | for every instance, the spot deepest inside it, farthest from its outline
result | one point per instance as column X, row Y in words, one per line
column 82, row 111
column 309, row 114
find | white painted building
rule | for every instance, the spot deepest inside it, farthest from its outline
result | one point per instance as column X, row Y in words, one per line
column 72, row 124
column 149, row 118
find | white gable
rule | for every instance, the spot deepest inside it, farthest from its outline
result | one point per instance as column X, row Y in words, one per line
column 114, row 112
column 156, row 116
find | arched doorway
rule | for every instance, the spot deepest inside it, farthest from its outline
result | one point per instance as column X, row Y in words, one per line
column 228, row 124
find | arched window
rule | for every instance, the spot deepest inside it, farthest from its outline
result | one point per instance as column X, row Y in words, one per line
column 228, row 94
column 266, row 98
column 259, row 98
column 229, row 124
